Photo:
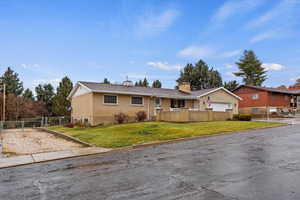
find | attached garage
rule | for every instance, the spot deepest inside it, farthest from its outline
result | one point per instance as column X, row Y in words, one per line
column 221, row 107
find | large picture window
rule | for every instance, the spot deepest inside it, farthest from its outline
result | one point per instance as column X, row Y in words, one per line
column 110, row 99
column 137, row 100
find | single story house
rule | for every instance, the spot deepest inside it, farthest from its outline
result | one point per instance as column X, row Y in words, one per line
column 97, row 103
column 262, row 101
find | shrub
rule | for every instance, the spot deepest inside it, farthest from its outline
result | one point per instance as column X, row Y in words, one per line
column 141, row 116
column 245, row 117
column 242, row 117
column 236, row 117
column 121, row 118
column 69, row 125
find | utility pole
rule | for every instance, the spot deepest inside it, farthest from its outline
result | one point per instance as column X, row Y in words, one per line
column 3, row 109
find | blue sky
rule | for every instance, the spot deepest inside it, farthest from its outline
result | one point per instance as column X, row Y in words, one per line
column 89, row 40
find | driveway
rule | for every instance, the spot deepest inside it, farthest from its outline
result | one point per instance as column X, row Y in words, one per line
column 291, row 121
column 29, row 141
column 261, row 164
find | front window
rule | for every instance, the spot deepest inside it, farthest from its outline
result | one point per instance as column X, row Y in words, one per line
column 157, row 102
column 177, row 103
column 110, row 99
column 137, row 100
column 254, row 96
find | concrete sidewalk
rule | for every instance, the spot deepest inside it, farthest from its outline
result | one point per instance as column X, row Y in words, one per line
column 42, row 157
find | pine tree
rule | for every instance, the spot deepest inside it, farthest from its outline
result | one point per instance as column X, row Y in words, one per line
column 45, row 94
column 12, row 82
column 61, row 105
column 145, row 83
column 106, row 81
column 200, row 76
column 251, row 69
column 156, row 84
column 231, row 85
column 28, row 95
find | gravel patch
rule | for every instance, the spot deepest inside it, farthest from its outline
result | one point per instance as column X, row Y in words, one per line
column 29, row 141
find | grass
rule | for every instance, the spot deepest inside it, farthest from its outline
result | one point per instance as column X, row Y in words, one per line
column 143, row 132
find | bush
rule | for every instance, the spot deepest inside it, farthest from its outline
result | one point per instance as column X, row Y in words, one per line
column 236, row 117
column 141, row 116
column 121, row 118
column 242, row 117
column 69, row 125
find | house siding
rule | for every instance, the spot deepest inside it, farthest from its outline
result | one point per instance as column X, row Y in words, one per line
column 219, row 96
column 266, row 99
column 91, row 106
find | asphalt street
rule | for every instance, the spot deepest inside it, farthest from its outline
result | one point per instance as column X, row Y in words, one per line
column 261, row 164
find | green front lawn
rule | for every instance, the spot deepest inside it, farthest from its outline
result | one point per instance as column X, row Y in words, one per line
column 143, row 132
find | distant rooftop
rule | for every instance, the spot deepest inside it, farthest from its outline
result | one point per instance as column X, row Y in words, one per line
column 276, row 90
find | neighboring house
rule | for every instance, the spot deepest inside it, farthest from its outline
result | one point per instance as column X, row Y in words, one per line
column 97, row 103
column 263, row 101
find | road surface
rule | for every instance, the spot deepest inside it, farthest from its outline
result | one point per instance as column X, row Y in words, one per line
column 261, row 164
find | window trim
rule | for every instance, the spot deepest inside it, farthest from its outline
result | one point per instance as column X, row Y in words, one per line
column 137, row 104
column 111, row 103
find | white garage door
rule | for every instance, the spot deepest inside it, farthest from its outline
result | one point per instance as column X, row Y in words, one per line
column 220, row 106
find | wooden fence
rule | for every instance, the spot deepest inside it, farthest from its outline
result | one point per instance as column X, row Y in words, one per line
column 186, row 115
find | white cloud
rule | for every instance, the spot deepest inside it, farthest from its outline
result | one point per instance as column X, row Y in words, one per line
column 32, row 67
column 197, row 52
column 230, row 74
column 281, row 11
column 273, row 66
column 264, row 35
column 54, row 82
column 233, row 7
column 229, row 54
column 165, row 66
column 229, row 66
column 155, row 23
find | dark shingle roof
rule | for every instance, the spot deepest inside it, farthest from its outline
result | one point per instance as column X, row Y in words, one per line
column 135, row 90
column 276, row 90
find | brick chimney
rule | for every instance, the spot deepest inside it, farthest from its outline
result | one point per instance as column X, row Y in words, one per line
column 185, row 87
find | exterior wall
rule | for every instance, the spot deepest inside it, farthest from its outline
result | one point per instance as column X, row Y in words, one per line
column 92, row 108
column 104, row 113
column 279, row 100
column 259, row 107
column 219, row 96
column 82, row 107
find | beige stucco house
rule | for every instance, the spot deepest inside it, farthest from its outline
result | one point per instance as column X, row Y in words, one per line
column 97, row 103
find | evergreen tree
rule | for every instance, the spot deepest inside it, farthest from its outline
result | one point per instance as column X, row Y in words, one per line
column 12, row 82
column 106, row 81
column 231, row 85
column 61, row 105
column 28, row 95
column 200, row 76
column 145, row 83
column 156, row 84
column 251, row 69
column 45, row 94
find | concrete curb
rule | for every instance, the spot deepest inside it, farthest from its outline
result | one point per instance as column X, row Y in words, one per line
column 67, row 137
column 49, row 156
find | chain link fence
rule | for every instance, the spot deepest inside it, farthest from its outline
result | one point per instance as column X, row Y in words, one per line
column 35, row 122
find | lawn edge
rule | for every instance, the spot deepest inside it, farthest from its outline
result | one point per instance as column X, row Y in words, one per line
column 67, row 137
